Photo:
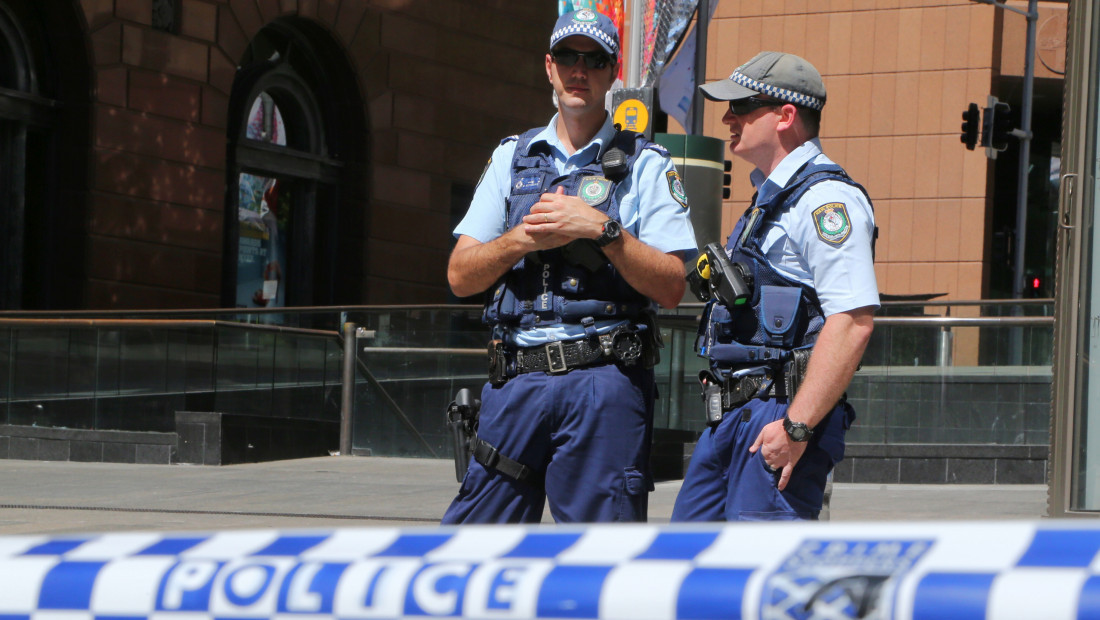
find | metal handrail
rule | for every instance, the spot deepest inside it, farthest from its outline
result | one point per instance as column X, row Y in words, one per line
column 163, row 323
column 223, row 311
column 977, row 321
column 915, row 321
column 434, row 351
column 401, row 307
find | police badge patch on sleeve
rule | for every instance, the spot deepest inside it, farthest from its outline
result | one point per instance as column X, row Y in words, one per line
column 832, row 222
column 676, row 188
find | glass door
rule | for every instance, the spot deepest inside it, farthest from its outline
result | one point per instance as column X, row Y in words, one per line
column 1075, row 395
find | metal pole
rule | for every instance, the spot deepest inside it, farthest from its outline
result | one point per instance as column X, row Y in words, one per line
column 676, row 379
column 702, row 23
column 347, row 398
column 1016, row 346
column 637, row 26
column 1025, row 154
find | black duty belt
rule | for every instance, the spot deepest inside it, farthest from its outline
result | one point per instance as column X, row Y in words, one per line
column 729, row 392
column 737, row 391
column 622, row 344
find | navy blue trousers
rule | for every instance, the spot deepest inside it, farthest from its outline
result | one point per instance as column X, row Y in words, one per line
column 589, row 430
column 726, row 482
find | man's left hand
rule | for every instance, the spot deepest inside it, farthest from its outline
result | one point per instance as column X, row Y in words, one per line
column 565, row 216
column 778, row 450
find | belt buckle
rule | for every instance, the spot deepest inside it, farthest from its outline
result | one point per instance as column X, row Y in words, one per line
column 555, row 357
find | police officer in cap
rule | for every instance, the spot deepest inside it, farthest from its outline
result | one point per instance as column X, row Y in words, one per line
column 576, row 231
column 781, row 359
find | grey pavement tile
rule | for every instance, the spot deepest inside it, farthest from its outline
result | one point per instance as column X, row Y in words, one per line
column 40, row 497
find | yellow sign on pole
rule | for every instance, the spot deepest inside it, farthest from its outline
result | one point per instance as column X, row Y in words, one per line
column 632, row 115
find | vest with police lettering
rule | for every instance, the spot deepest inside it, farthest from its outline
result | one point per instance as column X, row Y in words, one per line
column 575, row 282
column 782, row 314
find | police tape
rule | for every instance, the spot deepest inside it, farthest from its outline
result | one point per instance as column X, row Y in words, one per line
column 915, row 571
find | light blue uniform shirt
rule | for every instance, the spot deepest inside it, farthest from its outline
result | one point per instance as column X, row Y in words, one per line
column 843, row 275
column 647, row 208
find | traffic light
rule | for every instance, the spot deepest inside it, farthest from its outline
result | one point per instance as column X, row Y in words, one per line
column 1002, row 126
column 727, row 165
column 970, row 126
column 996, row 125
column 1034, row 286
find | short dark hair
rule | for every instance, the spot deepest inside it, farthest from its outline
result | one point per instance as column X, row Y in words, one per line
column 811, row 120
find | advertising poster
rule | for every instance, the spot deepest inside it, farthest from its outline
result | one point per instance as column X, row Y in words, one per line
column 263, row 220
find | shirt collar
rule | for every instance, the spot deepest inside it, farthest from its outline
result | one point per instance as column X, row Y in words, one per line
column 791, row 164
column 549, row 135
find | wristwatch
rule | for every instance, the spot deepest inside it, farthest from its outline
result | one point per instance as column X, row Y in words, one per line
column 797, row 431
column 612, row 232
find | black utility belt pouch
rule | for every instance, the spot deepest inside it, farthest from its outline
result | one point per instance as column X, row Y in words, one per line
column 498, row 363
column 721, row 394
column 712, row 399
column 795, row 370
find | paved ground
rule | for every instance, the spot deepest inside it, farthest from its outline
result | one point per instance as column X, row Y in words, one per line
column 327, row 492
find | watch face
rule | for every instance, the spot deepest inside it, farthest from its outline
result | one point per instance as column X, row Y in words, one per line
column 612, row 230
column 797, row 431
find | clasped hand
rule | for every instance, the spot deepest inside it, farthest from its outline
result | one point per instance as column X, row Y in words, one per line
column 557, row 219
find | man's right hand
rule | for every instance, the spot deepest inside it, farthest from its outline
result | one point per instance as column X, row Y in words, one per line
column 475, row 266
column 557, row 219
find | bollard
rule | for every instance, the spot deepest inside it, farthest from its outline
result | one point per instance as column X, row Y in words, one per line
column 775, row 570
column 347, row 394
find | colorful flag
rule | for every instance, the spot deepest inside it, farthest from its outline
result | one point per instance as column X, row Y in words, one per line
column 611, row 8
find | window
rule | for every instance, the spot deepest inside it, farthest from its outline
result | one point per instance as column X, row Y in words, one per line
column 283, row 178
column 41, row 207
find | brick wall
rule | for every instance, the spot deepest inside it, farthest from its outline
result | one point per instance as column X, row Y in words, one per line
column 439, row 83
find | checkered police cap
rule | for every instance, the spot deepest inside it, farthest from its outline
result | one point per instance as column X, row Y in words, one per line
column 591, row 24
column 778, row 75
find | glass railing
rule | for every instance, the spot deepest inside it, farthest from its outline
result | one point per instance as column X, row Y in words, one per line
column 960, row 373
column 135, row 374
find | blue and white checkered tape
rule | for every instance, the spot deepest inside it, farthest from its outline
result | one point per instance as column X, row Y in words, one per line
column 1044, row 570
column 777, row 92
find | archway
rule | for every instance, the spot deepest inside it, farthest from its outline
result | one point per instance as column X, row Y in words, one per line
column 295, row 124
column 43, row 154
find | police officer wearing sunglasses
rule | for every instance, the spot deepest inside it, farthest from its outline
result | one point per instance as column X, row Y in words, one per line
column 779, row 362
column 576, row 232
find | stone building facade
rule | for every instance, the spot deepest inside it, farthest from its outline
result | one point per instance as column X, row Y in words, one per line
column 133, row 121
column 126, row 127
column 899, row 74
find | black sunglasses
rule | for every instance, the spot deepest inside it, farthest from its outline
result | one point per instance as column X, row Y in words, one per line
column 565, row 57
column 744, row 106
